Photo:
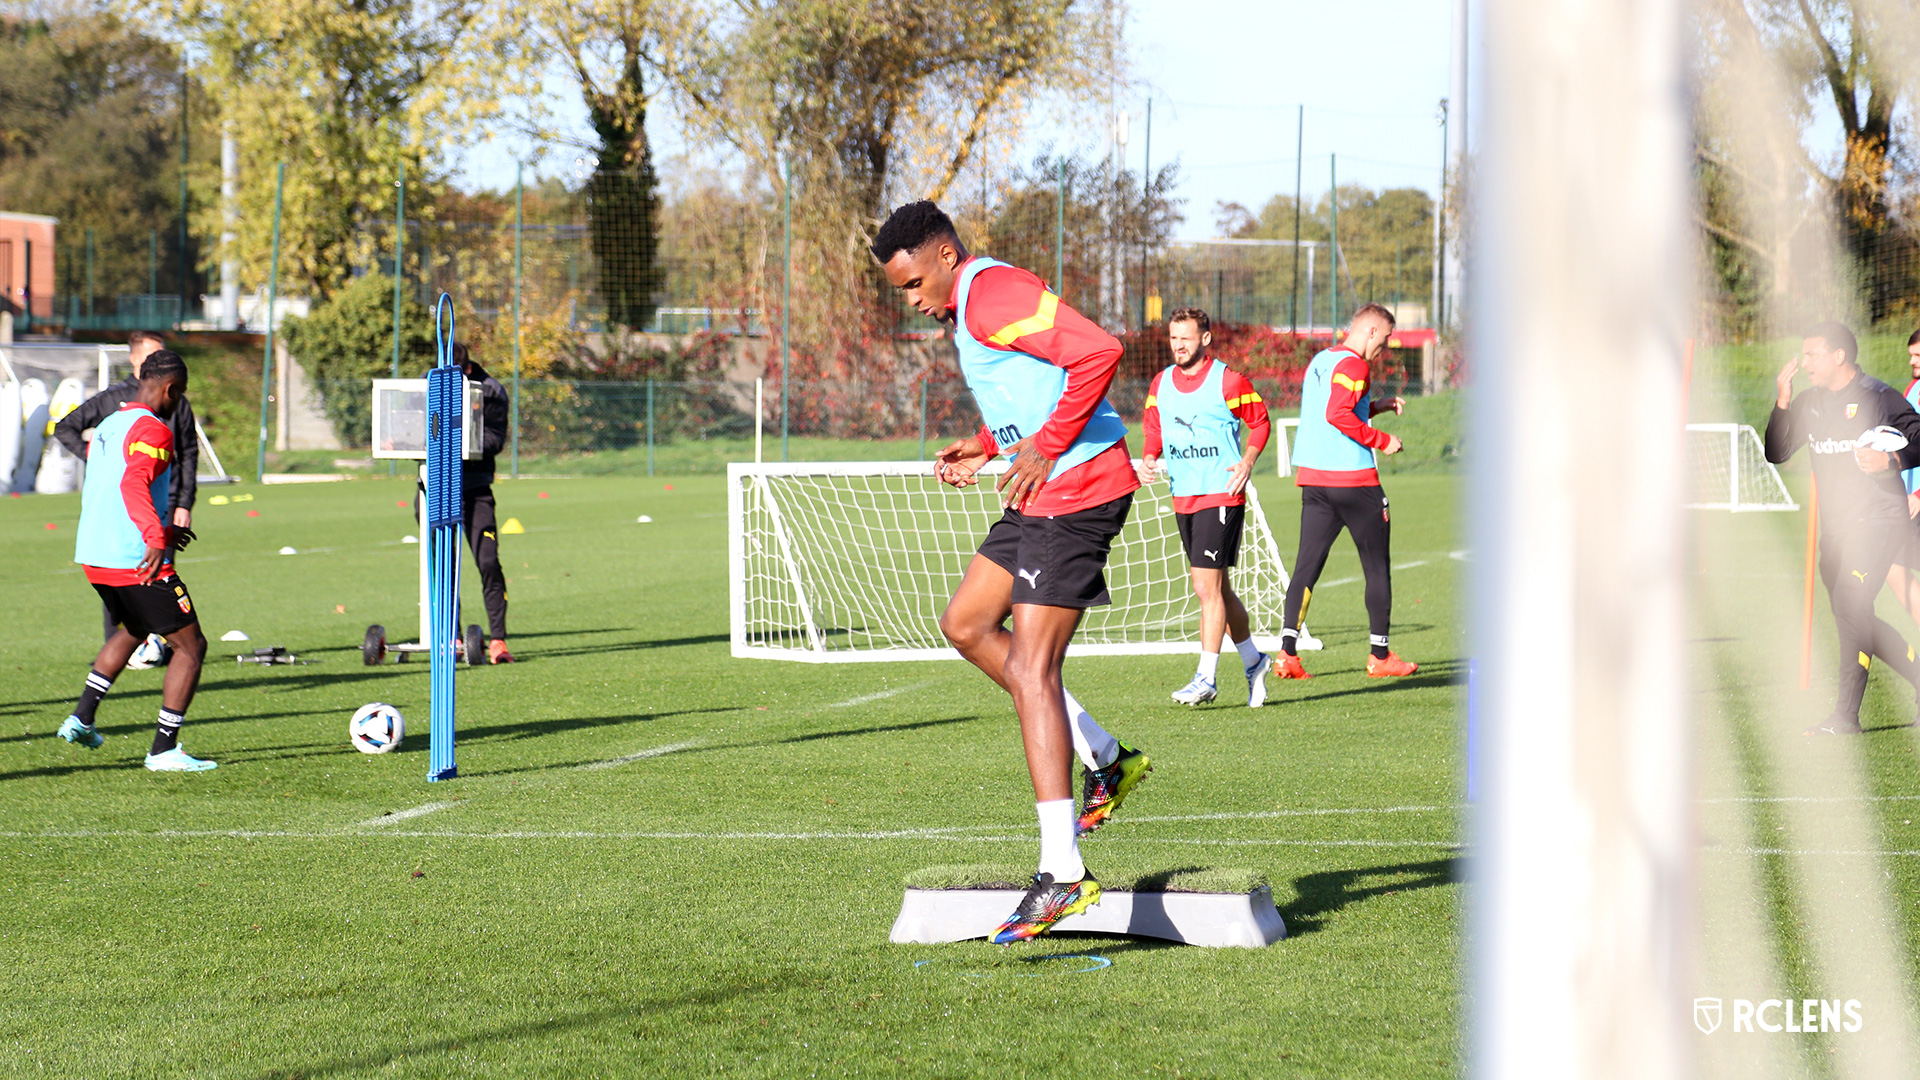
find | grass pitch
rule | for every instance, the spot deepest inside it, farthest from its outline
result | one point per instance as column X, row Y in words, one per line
column 659, row 860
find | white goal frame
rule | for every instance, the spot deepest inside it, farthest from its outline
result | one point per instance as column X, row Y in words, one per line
column 751, row 490
column 1739, row 435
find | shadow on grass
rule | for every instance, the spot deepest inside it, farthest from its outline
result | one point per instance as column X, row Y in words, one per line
column 1325, row 893
column 656, row 1008
column 1433, row 673
column 844, row 733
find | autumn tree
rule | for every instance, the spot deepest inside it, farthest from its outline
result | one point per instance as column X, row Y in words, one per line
column 344, row 95
column 90, row 132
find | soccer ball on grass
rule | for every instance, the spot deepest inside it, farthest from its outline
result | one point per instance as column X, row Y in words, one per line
column 376, row 728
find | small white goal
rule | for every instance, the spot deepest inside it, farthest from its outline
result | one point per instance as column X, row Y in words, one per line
column 1727, row 469
column 839, row 562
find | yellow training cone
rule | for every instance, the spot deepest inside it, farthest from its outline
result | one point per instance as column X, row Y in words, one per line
column 512, row 527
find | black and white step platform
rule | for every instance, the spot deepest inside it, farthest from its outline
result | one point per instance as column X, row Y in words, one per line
column 1241, row 919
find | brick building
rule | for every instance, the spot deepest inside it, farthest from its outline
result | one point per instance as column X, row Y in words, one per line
column 26, row 266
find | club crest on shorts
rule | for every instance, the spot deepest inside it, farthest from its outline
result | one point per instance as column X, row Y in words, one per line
column 1706, row 1015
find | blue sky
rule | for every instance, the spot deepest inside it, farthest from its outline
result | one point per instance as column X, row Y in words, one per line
column 1226, row 78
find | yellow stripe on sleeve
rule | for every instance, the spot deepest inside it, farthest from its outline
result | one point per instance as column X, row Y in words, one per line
column 1152, row 400
column 1038, row 322
column 1350, row 384
column 1244, row 399
column 152, row 451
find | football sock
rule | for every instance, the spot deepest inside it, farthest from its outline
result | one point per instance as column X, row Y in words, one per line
column 167, row 735
column 1209, row 665
column 1249, row 652
column 1290, row 641
column 1095, row 748
column 1059, row 847
column 90, row 695
column 1379, row 646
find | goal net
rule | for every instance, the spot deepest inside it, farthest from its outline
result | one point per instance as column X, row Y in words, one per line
column 852, row 561
column 1727, row 469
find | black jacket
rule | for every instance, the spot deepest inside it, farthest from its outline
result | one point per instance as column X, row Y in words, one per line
column 186, row 442
column 478, row 473
column 1829, row 423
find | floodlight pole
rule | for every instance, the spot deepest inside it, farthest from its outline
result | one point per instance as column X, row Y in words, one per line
column 399, row 252
column 519, row 188
column 1578, row 709
column 1333, row 246
column 1299, row 171
column 1060, row 232
column 273, row 294
column 786, row 302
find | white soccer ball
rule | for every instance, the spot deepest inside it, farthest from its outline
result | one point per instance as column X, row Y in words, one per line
column 376, row 728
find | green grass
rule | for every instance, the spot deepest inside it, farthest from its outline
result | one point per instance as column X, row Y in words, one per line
column 720, row 907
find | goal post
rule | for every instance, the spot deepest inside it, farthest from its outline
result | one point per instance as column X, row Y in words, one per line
column 1727, row 469
column 844, row 562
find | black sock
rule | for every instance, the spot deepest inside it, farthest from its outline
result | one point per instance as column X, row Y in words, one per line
column 1379, row 643
column 167, row 735
column 1290, row 642
column 90, row 695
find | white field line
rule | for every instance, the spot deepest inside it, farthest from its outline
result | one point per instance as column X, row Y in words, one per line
column 401, row 815
column 1815, row 799
column 1336, row 581
column 524, row 834
column 1410, row 565
column 881, row 695
column 638, row 755
column 1257, row 815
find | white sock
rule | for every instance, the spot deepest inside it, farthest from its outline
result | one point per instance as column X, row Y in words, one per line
column 1059, row 847
column 1209, row 665
column 1096, row 748
column 1249, row 652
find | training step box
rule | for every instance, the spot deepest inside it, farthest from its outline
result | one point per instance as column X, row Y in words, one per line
column 1243, row 920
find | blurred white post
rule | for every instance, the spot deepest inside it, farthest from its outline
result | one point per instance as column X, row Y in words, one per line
column 229, row 222
column 759, row 416
column 1578, row 755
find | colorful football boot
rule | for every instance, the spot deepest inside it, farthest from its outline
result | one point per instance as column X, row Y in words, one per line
column 1046, row 903
column 76, row 732
column 1389, row 667
column 1102, row 790
column 1290, row 668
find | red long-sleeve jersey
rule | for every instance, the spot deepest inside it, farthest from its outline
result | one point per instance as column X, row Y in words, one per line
column 1010, row 309
column 1241, row 398
column 148, row 448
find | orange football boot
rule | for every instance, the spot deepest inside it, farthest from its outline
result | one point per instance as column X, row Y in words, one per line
column 497, row 652
column 1290, row 668
column 1390, row 667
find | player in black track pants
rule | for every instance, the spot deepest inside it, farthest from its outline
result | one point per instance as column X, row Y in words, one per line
column 1362, row 511
column 1864, row 527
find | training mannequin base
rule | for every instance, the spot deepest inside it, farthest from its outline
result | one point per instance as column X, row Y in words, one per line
column 1217, row 920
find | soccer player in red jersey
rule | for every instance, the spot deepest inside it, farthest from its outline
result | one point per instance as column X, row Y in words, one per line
column 1334, row 466
column 124, row 545
column 1196, row 410
column 1039, row 371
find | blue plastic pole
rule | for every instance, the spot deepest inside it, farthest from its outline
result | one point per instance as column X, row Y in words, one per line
column 446, row 400
column 514, row 422
column 649, row 427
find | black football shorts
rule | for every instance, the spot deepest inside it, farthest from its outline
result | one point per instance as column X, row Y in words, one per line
column 157, row 607
column 1212, row 536
column 1058, row 561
